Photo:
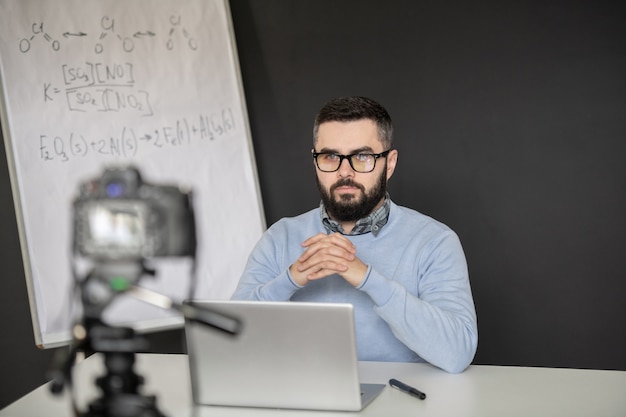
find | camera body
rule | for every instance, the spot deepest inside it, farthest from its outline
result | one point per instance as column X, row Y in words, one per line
column 119, row 218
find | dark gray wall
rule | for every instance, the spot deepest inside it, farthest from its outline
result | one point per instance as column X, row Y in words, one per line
column 511, row 126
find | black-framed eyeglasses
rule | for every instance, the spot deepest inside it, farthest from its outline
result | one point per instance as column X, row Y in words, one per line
column 360, row 162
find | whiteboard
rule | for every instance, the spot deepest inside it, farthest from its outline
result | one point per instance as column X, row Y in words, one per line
column 154, row 83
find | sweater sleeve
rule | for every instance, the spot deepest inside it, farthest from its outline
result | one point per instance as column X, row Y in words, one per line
column 264, row 278
column 438, row 321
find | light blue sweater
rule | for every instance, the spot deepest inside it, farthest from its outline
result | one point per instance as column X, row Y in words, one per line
column 414, row 305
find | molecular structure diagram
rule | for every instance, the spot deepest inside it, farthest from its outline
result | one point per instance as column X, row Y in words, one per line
column 38, row 31
column 108, row 31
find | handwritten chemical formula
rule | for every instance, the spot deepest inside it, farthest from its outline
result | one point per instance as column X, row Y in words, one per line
column 105, row 86
column 96, row 86
column 130, row 141
column 99, row 87
column 108, row 31
column 38, row 32
column 107, row 83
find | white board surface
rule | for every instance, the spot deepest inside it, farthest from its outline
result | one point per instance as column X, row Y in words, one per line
column 89, row 84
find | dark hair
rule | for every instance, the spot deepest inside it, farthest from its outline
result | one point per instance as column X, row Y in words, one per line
column 346, row 109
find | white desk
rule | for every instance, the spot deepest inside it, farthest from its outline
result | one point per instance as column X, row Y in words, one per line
column 481, row 391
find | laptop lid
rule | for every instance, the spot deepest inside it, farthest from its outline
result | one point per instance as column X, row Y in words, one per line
column 286, row 355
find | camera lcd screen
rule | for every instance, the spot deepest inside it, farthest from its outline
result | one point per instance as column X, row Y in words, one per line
column 116, row 226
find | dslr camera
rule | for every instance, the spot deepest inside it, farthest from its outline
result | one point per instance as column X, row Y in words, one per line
column 120, row 218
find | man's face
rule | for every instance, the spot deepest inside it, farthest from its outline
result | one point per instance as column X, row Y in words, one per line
column 349, row 195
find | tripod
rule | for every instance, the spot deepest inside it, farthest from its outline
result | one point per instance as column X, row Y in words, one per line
column 120, row 385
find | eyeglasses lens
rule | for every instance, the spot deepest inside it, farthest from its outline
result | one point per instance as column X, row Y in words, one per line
column 358, row 162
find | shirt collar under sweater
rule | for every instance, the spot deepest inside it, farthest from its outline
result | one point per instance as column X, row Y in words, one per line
column 372, row 223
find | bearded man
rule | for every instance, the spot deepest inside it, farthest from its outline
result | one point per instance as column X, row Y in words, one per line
column 405, row 273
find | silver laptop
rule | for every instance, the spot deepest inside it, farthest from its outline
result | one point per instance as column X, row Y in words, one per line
column 286, row 355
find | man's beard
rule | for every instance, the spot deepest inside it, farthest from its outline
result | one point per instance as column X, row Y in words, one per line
column 347, row 207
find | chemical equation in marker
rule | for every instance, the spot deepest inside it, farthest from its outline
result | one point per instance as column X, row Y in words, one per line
column 130, row 142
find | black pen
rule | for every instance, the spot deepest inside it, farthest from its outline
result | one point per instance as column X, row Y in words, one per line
column 407, row 389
